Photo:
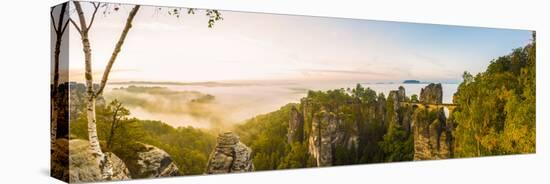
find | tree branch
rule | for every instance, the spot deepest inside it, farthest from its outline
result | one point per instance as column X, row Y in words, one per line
column 80, row 12
column 96, row 7
column 53, row 20
column 60, row 21
column 64, row 27
column 117, row 49
column 75, row 26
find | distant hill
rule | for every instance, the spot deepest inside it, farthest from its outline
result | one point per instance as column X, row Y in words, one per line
column 411, row 82
column 208, row 84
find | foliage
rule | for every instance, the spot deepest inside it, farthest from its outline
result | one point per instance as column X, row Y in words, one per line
column 497, row 107
column 118, row 121
column 297, row 156
column 189, row 147
column 266, row 136
column 396, row 145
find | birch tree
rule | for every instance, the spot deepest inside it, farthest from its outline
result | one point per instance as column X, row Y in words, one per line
column 59, row 28
column 92, row 94
column 83, row 27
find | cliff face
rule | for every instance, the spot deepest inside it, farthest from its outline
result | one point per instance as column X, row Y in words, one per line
column 402, row 114
column 329, row 125
column 84, row 166
column 295, row 126
column 140, row 161
column 328, row 131
column 432, row 135
column 433, row 93
column 230, row 156
column 147, row 161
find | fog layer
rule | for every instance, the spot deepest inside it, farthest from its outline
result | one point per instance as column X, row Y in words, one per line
column 218, row 106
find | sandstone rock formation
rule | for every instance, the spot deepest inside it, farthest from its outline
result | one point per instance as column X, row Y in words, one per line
column 146, row 161
column 432, row 135
column 327, row 132
column 381, row 108
column 295, row 126
column 394, row 97
column 320, row 143
column 346, row 126
column 230, row 156
column 433, row 93
column 120, row 171
column 403, row 113
column 401, row 94
column 84, row 166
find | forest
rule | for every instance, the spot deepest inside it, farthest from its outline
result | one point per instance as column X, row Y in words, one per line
column 496, row 116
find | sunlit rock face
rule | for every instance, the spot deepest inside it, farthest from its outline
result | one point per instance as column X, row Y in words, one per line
column 295, row 126
column 432, row 134
column 320, row 142
column 84, row 166
column 147, row 161
column 433, row 93
column 328, row 132
column 230, row 156
column 331, row 128
column 150, row 162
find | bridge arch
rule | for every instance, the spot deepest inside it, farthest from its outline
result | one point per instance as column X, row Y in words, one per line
column 449, row 108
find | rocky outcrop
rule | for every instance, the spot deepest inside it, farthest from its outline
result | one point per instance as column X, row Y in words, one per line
column 84, row 166
column 381, row 108
column 230, row 156
column 327, row 133
column 295, row 126
column 401, row 95
column 320, row 143
column 394, row 97
column 433, row 93
column 146, row 161
column 432, row 135
column 119, row 169
column 336, row 129
column 403, row 113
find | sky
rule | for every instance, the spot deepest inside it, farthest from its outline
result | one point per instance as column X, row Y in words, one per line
column 256, row 47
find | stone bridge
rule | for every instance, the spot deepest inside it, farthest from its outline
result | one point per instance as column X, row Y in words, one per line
column 420, row 105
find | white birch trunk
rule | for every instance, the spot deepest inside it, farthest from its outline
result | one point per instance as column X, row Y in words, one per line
column 105, row 164
column 95, row 148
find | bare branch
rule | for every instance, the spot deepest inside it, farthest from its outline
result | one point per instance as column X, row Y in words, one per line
column 80, row 12
column 117, row 49
column 64, row 27
column 53, row 20
column 96, row 7
column 60, row 21
column 75, row 26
